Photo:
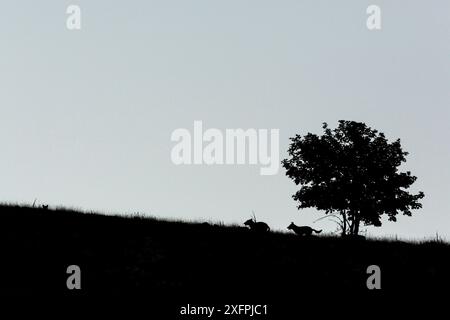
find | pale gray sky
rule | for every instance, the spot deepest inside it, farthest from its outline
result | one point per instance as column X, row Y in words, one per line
column 86, row 116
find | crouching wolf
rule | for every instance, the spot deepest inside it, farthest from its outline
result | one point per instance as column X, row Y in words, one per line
column 303, row 230
column 257, row 226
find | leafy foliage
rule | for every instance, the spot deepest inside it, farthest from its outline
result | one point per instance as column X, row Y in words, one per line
column 351, row 170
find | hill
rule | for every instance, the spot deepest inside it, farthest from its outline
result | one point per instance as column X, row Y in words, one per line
column 139, row 256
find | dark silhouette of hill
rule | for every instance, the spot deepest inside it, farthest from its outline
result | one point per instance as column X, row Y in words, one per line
column 194, row 261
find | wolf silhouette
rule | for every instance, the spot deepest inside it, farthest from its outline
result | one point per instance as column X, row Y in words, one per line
column 302, row 230
column 257, row 226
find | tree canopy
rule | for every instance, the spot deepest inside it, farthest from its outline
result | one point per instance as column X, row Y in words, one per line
column 351, row 172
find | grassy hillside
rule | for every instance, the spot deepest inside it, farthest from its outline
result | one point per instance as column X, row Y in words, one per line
column 137, row 256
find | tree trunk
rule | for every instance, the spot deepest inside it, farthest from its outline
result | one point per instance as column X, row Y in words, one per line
column 356, row 228
column 351, row 226
column 344, row 223
column 355, row 219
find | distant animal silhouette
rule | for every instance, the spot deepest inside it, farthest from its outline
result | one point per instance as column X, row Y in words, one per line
column 302, row 230
column 256, row 226
column 45, row 206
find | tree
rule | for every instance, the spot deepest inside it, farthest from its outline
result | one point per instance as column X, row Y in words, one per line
column 351, row 173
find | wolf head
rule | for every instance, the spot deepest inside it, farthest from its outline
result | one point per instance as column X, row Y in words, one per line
column 249, row 222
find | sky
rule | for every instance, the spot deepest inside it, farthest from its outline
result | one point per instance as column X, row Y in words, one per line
column 86, row 116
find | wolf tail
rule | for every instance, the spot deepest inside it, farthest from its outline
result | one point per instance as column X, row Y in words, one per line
column 317, row 231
